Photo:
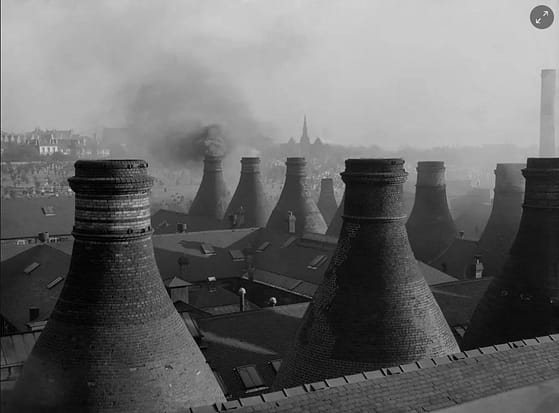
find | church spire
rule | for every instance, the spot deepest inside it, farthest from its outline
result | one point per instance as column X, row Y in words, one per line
column 305, row 136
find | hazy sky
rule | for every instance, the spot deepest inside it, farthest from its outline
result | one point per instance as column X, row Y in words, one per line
column 411, row 72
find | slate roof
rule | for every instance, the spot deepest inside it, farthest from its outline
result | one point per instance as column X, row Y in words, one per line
column 459, row 299
column 458, row 257
column 293, row 260
column 22, row 217
column 427, row 385
column 165, row 221
column 19, row 291
column 252, row 337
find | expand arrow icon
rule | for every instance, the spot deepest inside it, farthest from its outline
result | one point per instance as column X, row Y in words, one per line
column 538, row 21
column 546, row 13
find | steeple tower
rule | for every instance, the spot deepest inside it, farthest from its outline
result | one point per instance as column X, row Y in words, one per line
column 305, row 140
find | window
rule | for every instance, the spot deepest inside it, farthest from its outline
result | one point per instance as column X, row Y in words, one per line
column 288, row 242
column 207, row 249
column 263, row 246
column 250, row 377
column 30, row 268
column 236, row 255
column 276, row 364
column 317, row 262
column 54, row 282
column 48, row 211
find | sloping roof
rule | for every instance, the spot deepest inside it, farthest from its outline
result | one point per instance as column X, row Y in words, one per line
column 15, row 348
column 434, row 276
column 19, row 291
column 252, row 337
column 425, row 386
column 22, row 217
column 293, row 260
column 458, row 257
column 459, row 299
column 222, row 238
column 165, row 221
column 176, row 282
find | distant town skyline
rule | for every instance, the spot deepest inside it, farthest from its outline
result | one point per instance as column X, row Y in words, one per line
column 365, row 73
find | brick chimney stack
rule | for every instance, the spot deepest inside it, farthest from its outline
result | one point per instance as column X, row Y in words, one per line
column 430, row 226
column 547, row 113
column 295, row 197
column 374, row 309
column 522, row 301
column 502, row 226
column 249, row 206
column 212, row 197
column 114, row 341
column 327, row 201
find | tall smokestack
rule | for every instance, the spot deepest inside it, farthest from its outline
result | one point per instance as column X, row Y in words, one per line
column 547, row 113
column 336, row 224
column 295, row 198
column 114, row 341
column 502, row 226
column 523, row 300
column 327, row 201
column 430, row 226
column 374, row 309
column 249, row 207
column 212, row 196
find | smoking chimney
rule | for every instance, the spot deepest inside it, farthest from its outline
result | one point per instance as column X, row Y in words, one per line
column 502, row 226
column 249, row 206
column 374, row 309
column 336, row 224
column 212, row 196
column 326, row 201
column 523, row 300
column 114, row 341
column 430, row 226
column 295, row 197
column 547, row 113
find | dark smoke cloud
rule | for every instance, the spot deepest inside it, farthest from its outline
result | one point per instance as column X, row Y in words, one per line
column 181, row 111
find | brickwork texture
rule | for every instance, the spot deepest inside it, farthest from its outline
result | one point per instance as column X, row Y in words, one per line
column 374, row 308
column 523, row 299
column 114, row 342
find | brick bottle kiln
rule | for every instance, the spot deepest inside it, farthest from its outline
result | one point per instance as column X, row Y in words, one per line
column 522, row 301
column 249, row 206
column 114, row 341
column 502, row 226
column 213, row 196
column 295, row 198
column 430, row 226
column 327, row 201
column 374, row 309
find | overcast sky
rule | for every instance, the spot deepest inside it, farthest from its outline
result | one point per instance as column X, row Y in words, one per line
column 411, row 72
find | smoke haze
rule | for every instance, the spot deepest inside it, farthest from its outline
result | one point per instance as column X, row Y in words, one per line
column 414, row 72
